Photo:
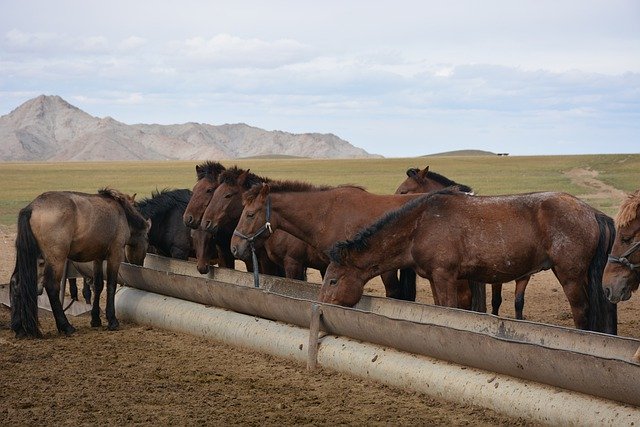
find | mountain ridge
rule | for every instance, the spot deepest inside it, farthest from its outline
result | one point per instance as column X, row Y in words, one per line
column 48, row 128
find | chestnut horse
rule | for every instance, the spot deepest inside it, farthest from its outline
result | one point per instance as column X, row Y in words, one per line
column 449, row 235
column 61, row 225
column 622, row 273
column 319, row 216
column 207, row 181
column 282, row 248
column 425, row 181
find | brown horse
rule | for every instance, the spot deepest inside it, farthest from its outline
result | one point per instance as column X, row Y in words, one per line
column 425, row 181
column 283, row 249
column 319, row 216
column 207, row 181
column 622, row 273
column 61, row 225
column 206, row 252
column 449, row 235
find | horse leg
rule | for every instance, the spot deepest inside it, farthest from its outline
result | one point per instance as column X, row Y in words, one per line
column 112, row 277
column 496, row 298
column 521, row 285
column 86, row 289
column 575, row 291
column 98, row 284
column 52, row 278
column 73, row 288
column 446, row 287
column 391, row 284
column 463, row 290
column 294, row 269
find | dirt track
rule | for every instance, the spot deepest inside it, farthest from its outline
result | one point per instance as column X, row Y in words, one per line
column 140, row 375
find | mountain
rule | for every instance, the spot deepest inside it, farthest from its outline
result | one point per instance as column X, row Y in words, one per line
column 464, row 153
column 48, row 128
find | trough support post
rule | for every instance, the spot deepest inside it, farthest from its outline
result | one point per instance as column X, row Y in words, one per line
column 636, row 357
column 314, row 329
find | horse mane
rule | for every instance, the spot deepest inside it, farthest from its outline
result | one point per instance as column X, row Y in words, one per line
column 628, row 210
column 285, row 187
column 360, row 240
column 163, row 201
column 230, row 176
column 440, row 179
column 209, row 169
column 134, row 218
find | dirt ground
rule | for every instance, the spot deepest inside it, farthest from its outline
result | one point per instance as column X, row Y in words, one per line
column 142, row 375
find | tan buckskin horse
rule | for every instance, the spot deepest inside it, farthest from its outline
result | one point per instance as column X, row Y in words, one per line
column 61, row 225
column 449, row 235
column 622, row 273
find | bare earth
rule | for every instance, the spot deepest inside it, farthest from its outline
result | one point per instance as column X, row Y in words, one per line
column 141, row 375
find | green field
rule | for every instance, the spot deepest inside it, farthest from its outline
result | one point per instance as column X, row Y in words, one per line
column 21, row 182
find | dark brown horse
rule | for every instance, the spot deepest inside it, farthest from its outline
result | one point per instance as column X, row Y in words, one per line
column 622, row 273
column 283, row 249
column 206, row 252
column 425, row 181
column 319, row 216
column 449, row 235
column 61, row 225
column 207, row 181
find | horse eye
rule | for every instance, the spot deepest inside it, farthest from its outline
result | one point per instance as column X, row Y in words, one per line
column 228, row 195
column 625, row 239
column 210, row 190
column 250, row 214
column 333, row 282
column 403, row 192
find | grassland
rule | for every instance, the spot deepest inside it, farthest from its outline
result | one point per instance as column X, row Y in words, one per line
column 21, row 182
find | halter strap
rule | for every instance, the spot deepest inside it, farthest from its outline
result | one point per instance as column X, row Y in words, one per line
column 251, row 239
column 622, row 259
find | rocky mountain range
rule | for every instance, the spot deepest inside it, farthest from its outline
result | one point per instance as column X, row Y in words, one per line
column 48, row 128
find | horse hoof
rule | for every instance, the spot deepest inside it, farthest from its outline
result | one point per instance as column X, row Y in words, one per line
column 69, row 330
column 96, row 323
column 113, row 326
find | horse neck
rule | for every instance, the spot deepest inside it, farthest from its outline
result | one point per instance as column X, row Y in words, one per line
column 383, row 253
column 322, row 218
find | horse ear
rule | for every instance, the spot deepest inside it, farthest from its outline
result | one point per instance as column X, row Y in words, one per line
column 149, row 224
column 243, row 177
column 264, row 191
column 133, row 198
column 423, row 173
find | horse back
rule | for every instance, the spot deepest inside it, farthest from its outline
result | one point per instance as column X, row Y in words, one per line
column 85, row 226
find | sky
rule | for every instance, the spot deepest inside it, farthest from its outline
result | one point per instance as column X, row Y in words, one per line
column 397, row 78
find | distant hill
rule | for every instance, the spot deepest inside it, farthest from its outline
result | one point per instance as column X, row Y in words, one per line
column 48, row 128
column 463, row 153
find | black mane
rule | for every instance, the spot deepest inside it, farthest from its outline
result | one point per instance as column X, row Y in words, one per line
column 440, row 179
column 163, row 201
column 285, row 187
column 209, row 169
column 231, row 175
column 134, row 218
column 360, row 240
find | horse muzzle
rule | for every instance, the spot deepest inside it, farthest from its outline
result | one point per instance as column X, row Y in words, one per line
column 241, row 251
column 615, row 296
column 190, row 221
column 210, row 227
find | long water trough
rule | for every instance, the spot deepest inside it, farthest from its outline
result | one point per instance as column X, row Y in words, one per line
column 546, row 373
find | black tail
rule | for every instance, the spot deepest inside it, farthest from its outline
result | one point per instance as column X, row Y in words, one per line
column 478, row 296
column 407, row 284
column 603, row 316
column 24, row 299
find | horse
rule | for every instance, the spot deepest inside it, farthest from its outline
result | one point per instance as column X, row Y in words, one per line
column 317, row 215
column 449, row 235
column 168, row 235
column 425, row 181
column 61, row 225
column 207, row 181
column 283, row 249
column 206, row 251
column 622, row 272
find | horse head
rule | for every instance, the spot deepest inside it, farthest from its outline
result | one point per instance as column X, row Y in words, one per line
column 207, row 174
column 225, row 206
column 254, row 226
column 203, row 244
column 342, row 285
column 136, row 247
column 416, row 182
column 622, row 272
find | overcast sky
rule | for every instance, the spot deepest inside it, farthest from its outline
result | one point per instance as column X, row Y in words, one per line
column 397, row 78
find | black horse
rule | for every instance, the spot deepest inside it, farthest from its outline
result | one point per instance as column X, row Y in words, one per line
column 168, row 236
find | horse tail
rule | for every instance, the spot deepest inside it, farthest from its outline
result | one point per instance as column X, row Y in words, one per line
column 407, row 284
column 24, row 301
column 603, row 315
